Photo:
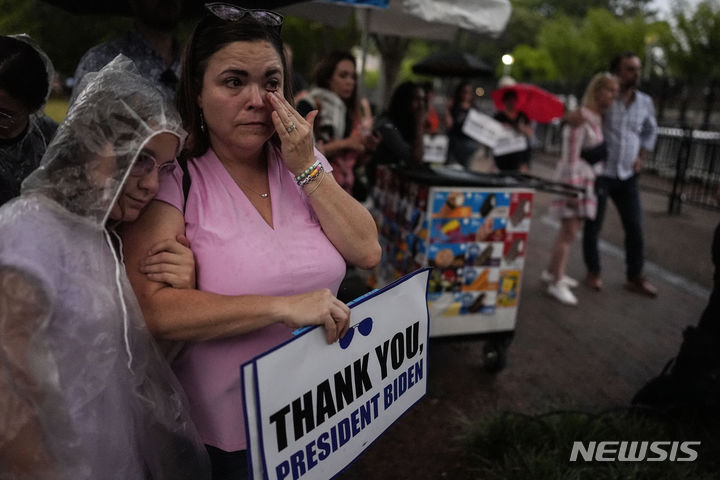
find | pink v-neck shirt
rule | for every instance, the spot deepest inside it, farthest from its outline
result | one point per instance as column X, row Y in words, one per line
column 238, row 253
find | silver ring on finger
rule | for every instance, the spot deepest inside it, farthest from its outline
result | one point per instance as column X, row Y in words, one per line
column 291, row 128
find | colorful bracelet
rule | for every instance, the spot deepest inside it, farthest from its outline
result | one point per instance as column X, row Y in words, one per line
column 299, row 178
column 318, row 185
column 312, row 176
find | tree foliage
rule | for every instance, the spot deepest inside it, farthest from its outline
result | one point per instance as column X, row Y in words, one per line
column 62, row 35
column 632, row 8
column 552, row 8
column 692, row 47
column 579, row 47
column 561, row 41
column 312, row 40
column 65, row 36
column 534, row 62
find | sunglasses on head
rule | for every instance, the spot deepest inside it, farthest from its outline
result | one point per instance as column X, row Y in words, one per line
column 146, row 163
column 234, row 13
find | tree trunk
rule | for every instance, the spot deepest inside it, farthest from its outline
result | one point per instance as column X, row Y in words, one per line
column 392, row 50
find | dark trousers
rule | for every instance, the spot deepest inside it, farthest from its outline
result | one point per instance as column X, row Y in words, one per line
column 462, row 148
column 710, row 320
column 228, row 465
column 625, row 194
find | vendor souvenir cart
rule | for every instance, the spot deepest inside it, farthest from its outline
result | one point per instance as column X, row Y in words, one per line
column 473, row 229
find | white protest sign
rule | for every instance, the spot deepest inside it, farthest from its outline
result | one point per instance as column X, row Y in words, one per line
column 488, row 131
column 435, row 148
column 510, row 144
column 312, row 408
column 482, row 128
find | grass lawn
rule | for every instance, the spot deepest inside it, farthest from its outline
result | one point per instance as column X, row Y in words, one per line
column 56, row 108
column 514, row 446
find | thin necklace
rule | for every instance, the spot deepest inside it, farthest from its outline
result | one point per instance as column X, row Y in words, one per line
column 242, row 184
column 261, row 195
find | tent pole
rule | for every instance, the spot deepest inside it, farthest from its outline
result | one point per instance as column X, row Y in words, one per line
column 365, row 37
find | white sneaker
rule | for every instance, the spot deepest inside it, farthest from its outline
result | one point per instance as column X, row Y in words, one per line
column 548, row 277
column 562, row 293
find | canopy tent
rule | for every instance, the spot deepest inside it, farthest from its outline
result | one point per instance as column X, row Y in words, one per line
column 431, row 19
column 402, row 19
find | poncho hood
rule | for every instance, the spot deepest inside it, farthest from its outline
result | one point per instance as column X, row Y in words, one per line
column 88, row 161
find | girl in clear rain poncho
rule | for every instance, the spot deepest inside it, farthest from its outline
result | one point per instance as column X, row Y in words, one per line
column 84, row 391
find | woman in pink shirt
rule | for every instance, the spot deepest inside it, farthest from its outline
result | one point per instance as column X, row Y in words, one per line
column 270, row 227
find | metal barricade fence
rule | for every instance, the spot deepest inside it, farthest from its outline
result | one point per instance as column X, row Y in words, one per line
column 685, row 165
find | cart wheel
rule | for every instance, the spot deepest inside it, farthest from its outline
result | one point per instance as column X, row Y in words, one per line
column 494, row 356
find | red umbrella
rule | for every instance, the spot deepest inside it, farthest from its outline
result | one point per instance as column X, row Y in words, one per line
column 538, row 104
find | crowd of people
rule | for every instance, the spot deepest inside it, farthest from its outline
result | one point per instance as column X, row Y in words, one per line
column 188, row 214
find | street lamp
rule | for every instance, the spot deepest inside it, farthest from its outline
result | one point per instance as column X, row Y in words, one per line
column 506, row 79
column 507, row 61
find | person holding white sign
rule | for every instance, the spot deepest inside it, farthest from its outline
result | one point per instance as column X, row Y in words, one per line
column 270, row 227
column 517, row 121
column 575, row 168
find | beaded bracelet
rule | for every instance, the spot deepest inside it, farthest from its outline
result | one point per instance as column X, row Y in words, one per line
column 317, row 186
column 312, row 176
column 299, row 178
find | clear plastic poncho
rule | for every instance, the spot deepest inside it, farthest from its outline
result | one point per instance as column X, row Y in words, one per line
column 84, row 391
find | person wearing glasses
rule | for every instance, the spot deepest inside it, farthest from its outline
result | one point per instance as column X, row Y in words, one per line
column 25, row 131
column 270, row 227
column 151, row 45
column 85, row 393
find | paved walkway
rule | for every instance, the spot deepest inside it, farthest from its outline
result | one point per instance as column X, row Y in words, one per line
column 591, row 357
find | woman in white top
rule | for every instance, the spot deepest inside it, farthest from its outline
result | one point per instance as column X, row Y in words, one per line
column 578, row 161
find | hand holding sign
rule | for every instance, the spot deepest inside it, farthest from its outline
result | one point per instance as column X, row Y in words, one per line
column 492, row 133
column 320, row 307
column 312, row 425
column 364, row 327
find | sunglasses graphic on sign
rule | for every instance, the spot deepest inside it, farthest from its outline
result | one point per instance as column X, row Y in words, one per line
column 364, row 327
